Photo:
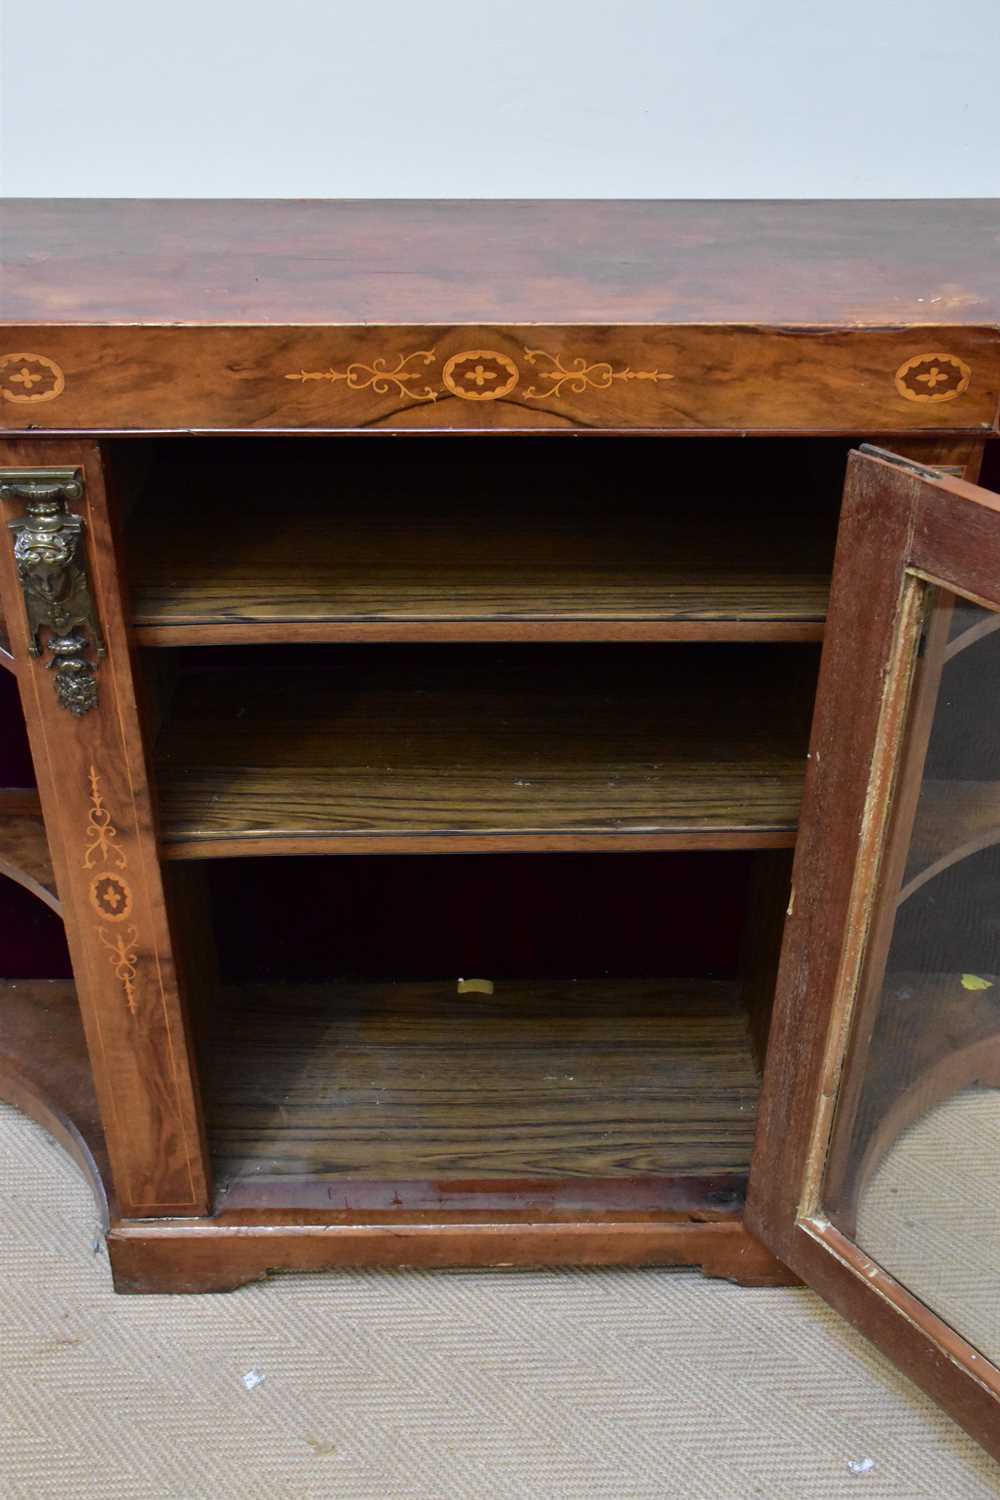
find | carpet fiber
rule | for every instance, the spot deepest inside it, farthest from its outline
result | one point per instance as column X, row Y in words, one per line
column 558, row 1385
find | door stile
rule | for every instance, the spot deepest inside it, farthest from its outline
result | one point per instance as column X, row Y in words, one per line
column 87, row 745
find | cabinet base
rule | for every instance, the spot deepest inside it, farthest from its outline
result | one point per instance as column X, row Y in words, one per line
column 44, row 1072
column 190, row 1256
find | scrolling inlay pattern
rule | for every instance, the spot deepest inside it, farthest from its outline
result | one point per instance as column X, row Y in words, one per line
column 377, row 376
column 481, row 375
column 581, row 376
column 110, row 893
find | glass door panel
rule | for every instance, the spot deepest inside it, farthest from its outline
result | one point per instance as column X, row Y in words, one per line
column 913, row 1172
column 876, row 1169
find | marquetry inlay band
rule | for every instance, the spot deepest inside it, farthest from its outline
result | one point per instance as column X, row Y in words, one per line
column 110, row 892
column 481, row 375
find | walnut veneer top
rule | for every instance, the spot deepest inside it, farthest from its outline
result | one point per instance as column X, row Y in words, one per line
column 827, row 264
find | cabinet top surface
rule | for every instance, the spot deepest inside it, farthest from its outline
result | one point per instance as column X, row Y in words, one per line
column 838, row 264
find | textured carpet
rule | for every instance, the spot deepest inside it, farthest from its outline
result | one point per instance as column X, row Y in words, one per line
column 539, row 1386
column 940, row 1175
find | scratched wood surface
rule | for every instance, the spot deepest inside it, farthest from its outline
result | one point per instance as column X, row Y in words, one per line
column 602, row 1078
column 315, row 547
column 384, row 744
column 840, row 263
column 684, row 317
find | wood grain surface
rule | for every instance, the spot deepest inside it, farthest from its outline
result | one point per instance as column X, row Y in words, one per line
column 195, row 316
column 45, row 1072
column 25, row 857
column 734, row 379
column 179, row 1256
column 6, row 659
column 385, row 746
column 596, row 1079
column 19, row 802
column 95, row 795
column 832, row 264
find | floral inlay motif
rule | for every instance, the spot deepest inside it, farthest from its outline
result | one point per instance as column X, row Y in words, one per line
column 30, row 377
column 110, row 893
column 111, row 897
column 933, row 377
column 480, row 375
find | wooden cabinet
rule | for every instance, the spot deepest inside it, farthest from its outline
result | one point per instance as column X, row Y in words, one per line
column 422, row 810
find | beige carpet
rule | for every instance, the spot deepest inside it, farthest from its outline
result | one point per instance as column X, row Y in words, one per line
column 540, row 1386
column 931, row 1215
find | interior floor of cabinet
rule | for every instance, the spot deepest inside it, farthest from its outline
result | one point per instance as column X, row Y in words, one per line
column 316, row 1086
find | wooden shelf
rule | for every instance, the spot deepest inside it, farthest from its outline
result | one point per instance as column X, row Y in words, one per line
column 314, row 1094
column 24, row 856
column 425, row 749
column 348, row 551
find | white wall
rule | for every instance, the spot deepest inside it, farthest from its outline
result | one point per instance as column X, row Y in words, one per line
column 604, row 98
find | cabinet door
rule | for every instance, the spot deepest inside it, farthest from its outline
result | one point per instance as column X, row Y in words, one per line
column 60, row 585
column 876, row 1175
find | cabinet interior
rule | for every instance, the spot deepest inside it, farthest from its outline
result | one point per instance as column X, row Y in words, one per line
column 480, row 791
column 584, row 1031
column 582, row 538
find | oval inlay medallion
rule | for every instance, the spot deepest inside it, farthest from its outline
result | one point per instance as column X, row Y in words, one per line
column 480, row 375
column 110, row 897
column 933, row 377
column 30, row 377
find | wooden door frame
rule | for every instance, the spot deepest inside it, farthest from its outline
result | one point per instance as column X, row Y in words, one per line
column 902, row 525
column 97, row 798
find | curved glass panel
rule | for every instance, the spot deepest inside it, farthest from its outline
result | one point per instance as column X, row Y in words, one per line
column 913, row 1173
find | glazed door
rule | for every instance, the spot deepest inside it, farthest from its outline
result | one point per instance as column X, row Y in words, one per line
column 877, row 1170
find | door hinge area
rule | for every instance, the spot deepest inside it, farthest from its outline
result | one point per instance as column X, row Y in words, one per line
column 51, row 562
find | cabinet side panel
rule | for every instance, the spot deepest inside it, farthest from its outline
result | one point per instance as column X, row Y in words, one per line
column 96, row 799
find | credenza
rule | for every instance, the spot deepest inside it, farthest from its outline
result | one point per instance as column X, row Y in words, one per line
column 512, row 692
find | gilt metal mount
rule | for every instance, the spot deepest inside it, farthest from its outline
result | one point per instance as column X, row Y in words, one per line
column 52, row 569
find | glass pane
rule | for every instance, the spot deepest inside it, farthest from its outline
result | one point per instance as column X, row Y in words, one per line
column 913, row 1175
